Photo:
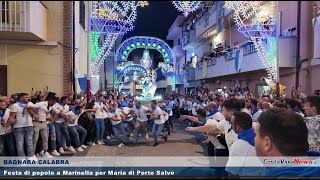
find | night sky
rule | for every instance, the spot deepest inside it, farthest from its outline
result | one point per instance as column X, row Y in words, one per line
column 154, row 20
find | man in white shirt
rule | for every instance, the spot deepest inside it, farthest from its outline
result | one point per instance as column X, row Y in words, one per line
column 140, row 113
column 22, row 125
column 228, row 108
column 158, row 117
column 243, row 148
column 77, row 132
column 183, row 105
column 116, row 118
column 129, row 123
column 189, row 106
column 100, row 108
column 40, row 126
column 61, row 125
column 255, row 110
column 4, row 116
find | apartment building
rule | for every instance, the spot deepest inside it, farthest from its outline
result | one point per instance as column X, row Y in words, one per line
column 175, row 35
column 35, row 46
column 210, row 38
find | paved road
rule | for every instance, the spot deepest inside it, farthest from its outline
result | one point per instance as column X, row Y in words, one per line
column 180, row 143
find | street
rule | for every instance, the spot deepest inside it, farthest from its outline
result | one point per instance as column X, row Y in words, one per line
column 180, row 143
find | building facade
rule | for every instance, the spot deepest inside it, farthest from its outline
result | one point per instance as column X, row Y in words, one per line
column 210, row 38
column 35, row 46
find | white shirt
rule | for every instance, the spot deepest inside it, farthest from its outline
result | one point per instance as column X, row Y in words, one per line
column 113, row 114
column 182, row 101
column 141, row 113
column 98, row 106
column 213, row 139
column 23, row 118
column 256, row 115
column 194, row 109
column 230, row 135
column 241, row 155
column 126, row 110
column 4, row 119
column 246, row 110
column 43, row 111
column 217, row 116
column 64, row 108
column 74, row 117
column 189, row 105
column 158, row 112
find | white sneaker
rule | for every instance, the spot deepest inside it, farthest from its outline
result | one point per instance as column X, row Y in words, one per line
column 120, row 145
column 92, row 143
column 65, row 147
column 99, row 142
column 47, row 155
column 41, row 153
column 61, row 151
column 37, row 155
column 55, row 153
column 71, row 149
column 108, row 137
column 33, row 158
column 102, row 142
column 79, row 149
column 84, row 146
column 147, row 136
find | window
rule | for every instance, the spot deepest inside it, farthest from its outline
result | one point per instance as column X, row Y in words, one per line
column 5, row 11
column 82, row 14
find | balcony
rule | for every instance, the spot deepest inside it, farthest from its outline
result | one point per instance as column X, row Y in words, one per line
column 177, row 51
column 179, row 79
column 209, row 20
column 190, row 72
column 189, row 40
column 225, row 65
column 23, row 20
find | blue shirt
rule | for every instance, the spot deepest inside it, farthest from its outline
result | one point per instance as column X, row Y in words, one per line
column 164, row 108
column 170, row 106
column 124, row 104
column 248, row 136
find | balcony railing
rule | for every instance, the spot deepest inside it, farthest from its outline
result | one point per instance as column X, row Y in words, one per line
column 248, row 49
column 13, row 16
column 28, row 18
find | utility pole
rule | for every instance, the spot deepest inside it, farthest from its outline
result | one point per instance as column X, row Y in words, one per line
column 88, row 52
column 278, row 59
column 298, row 46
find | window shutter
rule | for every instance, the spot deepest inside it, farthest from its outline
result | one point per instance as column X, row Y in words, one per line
column 3, row 80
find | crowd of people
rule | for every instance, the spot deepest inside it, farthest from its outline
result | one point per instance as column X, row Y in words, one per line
column 41, row 124
column 237, row 124
column 234, row 123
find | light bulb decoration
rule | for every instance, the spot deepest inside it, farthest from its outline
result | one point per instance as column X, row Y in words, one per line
column 186, row 6
column 147, row 43
column 146, row 59
column 139, row 42
column 148, row 80
column 110, row 18
column 261, row 30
